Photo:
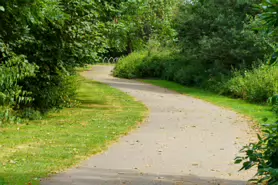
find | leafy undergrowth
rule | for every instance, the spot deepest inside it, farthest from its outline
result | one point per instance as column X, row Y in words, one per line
column 39, row 148
column 257, row 112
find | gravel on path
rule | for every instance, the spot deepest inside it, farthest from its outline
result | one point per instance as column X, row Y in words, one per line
column 184, row 141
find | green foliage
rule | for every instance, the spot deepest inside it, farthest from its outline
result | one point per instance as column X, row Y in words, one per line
column 255, row 85
column 215, row 38
column 13, row 68
column 269, row 23
column 273, row 101
column 58, row 93
column 43, row 41
column 139, row 21
column 171, row 66
column 263, row 155
column 30, row 114
column 268, row 14
column 216, row 34
column 129, row 67
column 156, row 64
column 167, row 65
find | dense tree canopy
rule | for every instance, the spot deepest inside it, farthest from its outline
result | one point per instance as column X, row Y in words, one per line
column 214, row 33
column 140, row 21
column 42, row 41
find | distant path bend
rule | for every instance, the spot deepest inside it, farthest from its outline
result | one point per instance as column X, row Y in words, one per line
column 185, row 141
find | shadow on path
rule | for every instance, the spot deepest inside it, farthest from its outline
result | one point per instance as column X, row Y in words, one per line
column 96, row 176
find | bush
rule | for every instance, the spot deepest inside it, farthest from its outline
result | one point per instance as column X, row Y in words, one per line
column 273, row 101
column 12, row 71
column 41, row 42
column 57, row 93
column 172, row 63
column 167, row 65
column 263, row 155
column 7, row 115
column 162, row 64
column 130, row 66
column 30, row 114
column 255, row 85
column 156, row 64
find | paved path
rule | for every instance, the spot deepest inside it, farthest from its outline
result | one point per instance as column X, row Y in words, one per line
column 185, row 141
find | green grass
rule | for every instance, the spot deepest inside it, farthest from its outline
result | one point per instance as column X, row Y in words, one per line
column 254, row 111
column 39, row 148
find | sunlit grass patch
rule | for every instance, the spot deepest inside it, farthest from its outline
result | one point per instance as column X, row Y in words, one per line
column 39, row 148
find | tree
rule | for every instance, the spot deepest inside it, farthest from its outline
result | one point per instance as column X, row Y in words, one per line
column 44, row 40
column 215, row 37
column 51, row 38
column 140, row 21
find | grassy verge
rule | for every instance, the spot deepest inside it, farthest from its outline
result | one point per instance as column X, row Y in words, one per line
column 63, row 139
column 257, row 112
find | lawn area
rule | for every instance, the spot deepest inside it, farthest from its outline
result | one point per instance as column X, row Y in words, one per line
column 63, row 139
column 257, row 112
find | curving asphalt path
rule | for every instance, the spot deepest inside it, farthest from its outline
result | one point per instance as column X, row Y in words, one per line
column 185, row 141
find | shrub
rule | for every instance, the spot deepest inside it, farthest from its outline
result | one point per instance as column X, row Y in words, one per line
column 14, row 69
column 255, row 85
column 191, row 74
column 8, row 115
column 130, row 66
column 273, row 101
column 263, row 155
column 165, row 64
column 58, row 92
column 30, row 114
column 157, row 62
column 39, row 44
